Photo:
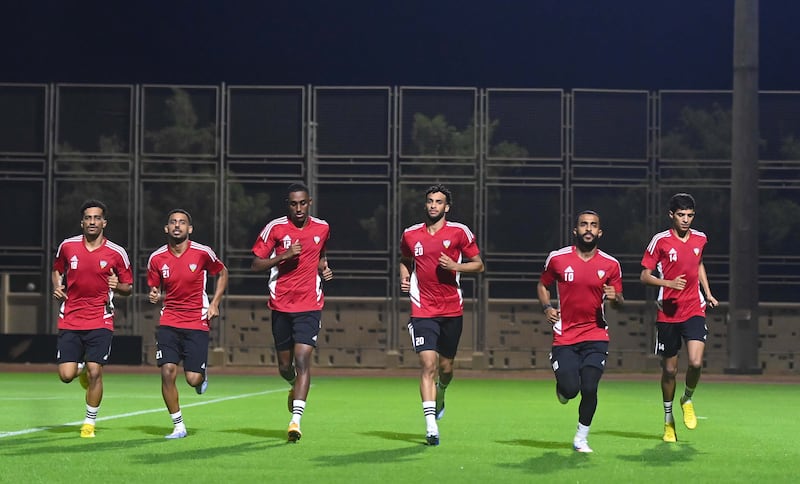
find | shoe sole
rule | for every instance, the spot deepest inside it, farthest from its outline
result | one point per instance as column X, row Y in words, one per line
column 432, row 439
column 294, row 435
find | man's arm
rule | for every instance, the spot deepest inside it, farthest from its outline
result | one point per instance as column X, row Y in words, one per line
column 552, row 314
column 260, row 264
column 703, row 278
column 59, row 292
column 406, row 267
column 222, row 284
column 473, row 264
column 649, row 279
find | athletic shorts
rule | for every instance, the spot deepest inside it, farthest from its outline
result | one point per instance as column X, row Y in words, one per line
column 571, row 358
column 176, row 344
column 669, row 336
column 289, row 329
column 438, row 334
column 84, row 345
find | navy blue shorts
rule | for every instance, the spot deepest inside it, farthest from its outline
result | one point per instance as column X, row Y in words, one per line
column 438, row 334
column 291, row 328
column 84, row 345
column 176, row 344
column 669, row 336
column 571, row 358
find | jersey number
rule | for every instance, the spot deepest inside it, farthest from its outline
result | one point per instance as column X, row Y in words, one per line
column 419, row 341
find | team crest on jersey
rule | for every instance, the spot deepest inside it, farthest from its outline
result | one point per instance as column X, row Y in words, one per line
column 316, row 239
column 696, row 251
column 600, row 273
column 165, row 271
column 446, row 243
column 192, row 267
column 103, row 264
column 73, row 262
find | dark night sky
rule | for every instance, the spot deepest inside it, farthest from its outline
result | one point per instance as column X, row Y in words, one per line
column 625, row 44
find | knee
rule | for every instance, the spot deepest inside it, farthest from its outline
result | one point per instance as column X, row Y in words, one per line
column 669, row 371
column 64, row 378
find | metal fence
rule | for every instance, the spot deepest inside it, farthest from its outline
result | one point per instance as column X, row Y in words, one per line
column 521, row 163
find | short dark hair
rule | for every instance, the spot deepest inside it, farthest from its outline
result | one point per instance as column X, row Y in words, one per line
column 92, row 203
column 179, row 210
column 586, row 212
column 296, row 187
column 681, row 201
column 441, row 189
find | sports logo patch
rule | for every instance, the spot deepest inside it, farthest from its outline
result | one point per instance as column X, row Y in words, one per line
column 316, row 239
column 165, row 271
column 73, row 262
column 446, row 243
column 696, row 251
column 600, row 273
column 103, row 264
column 192, row 267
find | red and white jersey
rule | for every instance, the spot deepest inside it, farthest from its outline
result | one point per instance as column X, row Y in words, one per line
column 580, row 293
column 669, row 256
column 436, row 292
column 295, row 284
column 89, row 303
column 183, row 278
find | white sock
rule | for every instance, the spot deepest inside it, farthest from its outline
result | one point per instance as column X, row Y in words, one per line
column 582, row 434
column 429, row 409
column 91, row 414
column 298, row 407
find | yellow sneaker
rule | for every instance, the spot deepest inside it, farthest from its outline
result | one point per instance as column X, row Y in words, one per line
column 83, row 378
column 669, row 432
column 294, row 432
column 87, row 431
column 689, row 418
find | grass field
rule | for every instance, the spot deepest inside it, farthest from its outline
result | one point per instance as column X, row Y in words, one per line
column 359, row 429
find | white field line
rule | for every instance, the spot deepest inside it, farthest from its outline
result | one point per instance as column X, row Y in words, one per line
column 140, row 412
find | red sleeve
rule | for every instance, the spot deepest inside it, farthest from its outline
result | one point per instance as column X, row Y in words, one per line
column 214, row 265
column 124, row 272
column 616, row 279
column 153, row 274
column 471, row 248
column 405, row 250
column 650, row 261
column 263, row 248
column 548, row 277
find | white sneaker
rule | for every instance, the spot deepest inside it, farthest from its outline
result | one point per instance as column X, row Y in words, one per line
column 178, row 433
column 581, row 446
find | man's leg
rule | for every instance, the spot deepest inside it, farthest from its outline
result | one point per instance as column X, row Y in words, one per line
column 94, row 396
column 445, row 377
column 427, row 391
column 669, row 369
column 695, row 350
column 169, row 391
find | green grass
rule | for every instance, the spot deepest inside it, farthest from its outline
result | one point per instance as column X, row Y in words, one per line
column 372, row 429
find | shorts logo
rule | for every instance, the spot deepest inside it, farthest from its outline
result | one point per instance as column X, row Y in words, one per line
column 192, row 267
column 158, row 354
column 73, row 262
column 446, row 244
column 103, row 264
column 600, row 274
column 165, row 271
column 316, row 239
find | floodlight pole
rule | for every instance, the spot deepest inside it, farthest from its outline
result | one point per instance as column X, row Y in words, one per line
column 743, row 335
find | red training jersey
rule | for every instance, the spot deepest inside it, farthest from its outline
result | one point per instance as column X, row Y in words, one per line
column 436, row 292
column 295, row 284
column 90, row 303
column 183, row 278
column 580, row 293
column 671, row 257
